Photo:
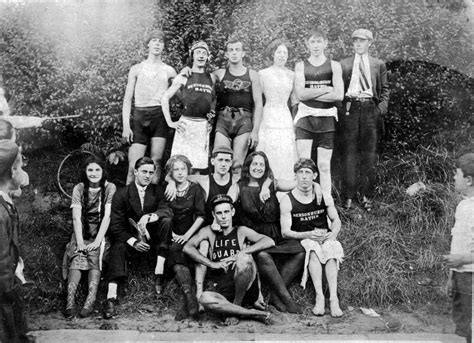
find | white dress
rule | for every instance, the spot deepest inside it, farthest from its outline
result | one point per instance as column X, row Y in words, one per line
column 276, row 136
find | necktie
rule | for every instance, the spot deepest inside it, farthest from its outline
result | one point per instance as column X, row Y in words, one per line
column 141, row 194
column 364, row 83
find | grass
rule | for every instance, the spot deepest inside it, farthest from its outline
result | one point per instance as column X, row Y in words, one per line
column 393, row 254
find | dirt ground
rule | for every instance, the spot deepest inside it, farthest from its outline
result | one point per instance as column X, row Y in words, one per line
column 425, row 319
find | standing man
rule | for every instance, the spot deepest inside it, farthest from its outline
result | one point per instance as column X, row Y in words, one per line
column 305, row 212
column 234, row 269
column 239, row 105
column 365, row 104
column 147, row 81
column 12, row 177
column 318, row 84
column 140, row 221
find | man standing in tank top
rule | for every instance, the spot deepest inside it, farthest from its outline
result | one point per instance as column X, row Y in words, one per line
column 318, row 85
column 147, row 81
column 233, row 268
column 365, row 104
column 304, row 216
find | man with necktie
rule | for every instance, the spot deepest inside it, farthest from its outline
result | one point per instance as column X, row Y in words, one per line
column 365, row 103
column 140, row 222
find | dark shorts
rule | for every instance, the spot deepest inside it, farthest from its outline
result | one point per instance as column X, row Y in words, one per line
column 148, row 122
column 226, row 287
column 462, row 303
column 233, row 122
column 320, row 139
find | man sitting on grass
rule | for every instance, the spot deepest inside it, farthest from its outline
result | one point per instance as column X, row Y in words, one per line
column 232, row 264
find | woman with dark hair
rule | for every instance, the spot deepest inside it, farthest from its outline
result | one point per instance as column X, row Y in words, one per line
column 264, row 217
column 188, row 215
column 276, row 135
column 91, row 204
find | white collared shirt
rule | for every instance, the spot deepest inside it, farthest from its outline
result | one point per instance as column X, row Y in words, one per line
column 6, row 197
column 463, row 232
column 141, row 193
column 354, row 90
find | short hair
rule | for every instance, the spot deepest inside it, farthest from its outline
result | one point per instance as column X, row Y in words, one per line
column 6, row 129
column 273, row 46
column 143, row 161
column 221, row 199
column 177, row 158
column 236, row 39
column 317, row 32
column 155, row 34
column 466, row 164
column 305, row 163
column 9, row 152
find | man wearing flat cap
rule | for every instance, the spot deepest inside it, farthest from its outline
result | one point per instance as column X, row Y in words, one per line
column 232, row 265
column 12, row 177
column 361, row 121
column 147, row 81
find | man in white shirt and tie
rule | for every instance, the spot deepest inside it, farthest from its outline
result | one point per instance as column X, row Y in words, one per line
column 140, row 222
column 365, row 103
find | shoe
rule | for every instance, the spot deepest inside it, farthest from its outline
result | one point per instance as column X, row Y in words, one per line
column 159, row 285
column 69, row 313
column 85, row 312
column 367, row 203
column 348, row 203
column 109, row 309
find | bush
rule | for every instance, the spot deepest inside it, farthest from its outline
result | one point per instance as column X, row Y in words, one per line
column 72, row 59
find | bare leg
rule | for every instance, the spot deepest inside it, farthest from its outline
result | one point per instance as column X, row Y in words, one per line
column 158, row 145
column 315, row 270
column 303, row 147
column 267, row 267
column 324, row 167
column 135, row 151
column 200, row 272
column 217, row 303
column 244, row 276
column 331, row 275
column 240, row 147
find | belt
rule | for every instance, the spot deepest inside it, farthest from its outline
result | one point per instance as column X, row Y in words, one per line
column 240, row 111
column 359, row 99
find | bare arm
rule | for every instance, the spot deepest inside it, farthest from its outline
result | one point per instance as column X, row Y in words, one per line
column 259, row 241
column 285, row 185
column 306, row 93
column 165, row 100
column 234, row 191
column 335, row 222
column 337, row 93
column 258, row 108
column 127, row 103
column 77, row 225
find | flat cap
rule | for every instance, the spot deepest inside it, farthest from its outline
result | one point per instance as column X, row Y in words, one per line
column 363, row 33
column 222, row 149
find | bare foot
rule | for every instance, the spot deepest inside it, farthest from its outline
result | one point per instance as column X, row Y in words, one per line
column 259, row 305
column 318, row 309
column 277, row 303
column 231, row 321
column 335, row 309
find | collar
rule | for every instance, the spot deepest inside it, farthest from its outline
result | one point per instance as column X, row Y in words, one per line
column 6, row 197
column 364, row 57
column 140, row 188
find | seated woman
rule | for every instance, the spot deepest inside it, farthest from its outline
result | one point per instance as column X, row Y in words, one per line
column 189, row 211
column 91, row 203
column 264, row 217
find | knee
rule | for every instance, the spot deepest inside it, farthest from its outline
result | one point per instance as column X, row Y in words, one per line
column 118, row 248
column 324, row 166
column 263, row 258
column 209, row 300
column 166, row 223
column 299, row 257
column 204, row 248
column 244, row 262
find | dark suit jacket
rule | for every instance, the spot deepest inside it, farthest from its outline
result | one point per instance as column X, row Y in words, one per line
column 9, row 247
column 378, row 73
column 126, row 204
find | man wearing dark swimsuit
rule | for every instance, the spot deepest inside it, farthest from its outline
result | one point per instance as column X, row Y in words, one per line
column 231, row 261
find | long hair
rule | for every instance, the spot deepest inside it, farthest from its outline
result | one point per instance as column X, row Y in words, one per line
column 85, row 195
column 245, row 178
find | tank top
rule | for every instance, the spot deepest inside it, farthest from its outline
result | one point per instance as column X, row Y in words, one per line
column 197, row 95
column 152, row 82
column 306, row 217
column 214, row 189
column 225, row 246
column 235, row 91
column 315, row 77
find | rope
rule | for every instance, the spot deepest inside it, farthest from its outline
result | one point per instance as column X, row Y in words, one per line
column 58, row 174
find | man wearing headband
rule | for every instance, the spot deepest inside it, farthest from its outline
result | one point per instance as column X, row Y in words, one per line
column 197, row 94
column 231, row 263
column 304, row 216
column 361, row 123
column 12, row 177
column 147, row 81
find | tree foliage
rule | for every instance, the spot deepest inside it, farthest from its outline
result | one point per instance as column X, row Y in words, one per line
column 63, row 59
